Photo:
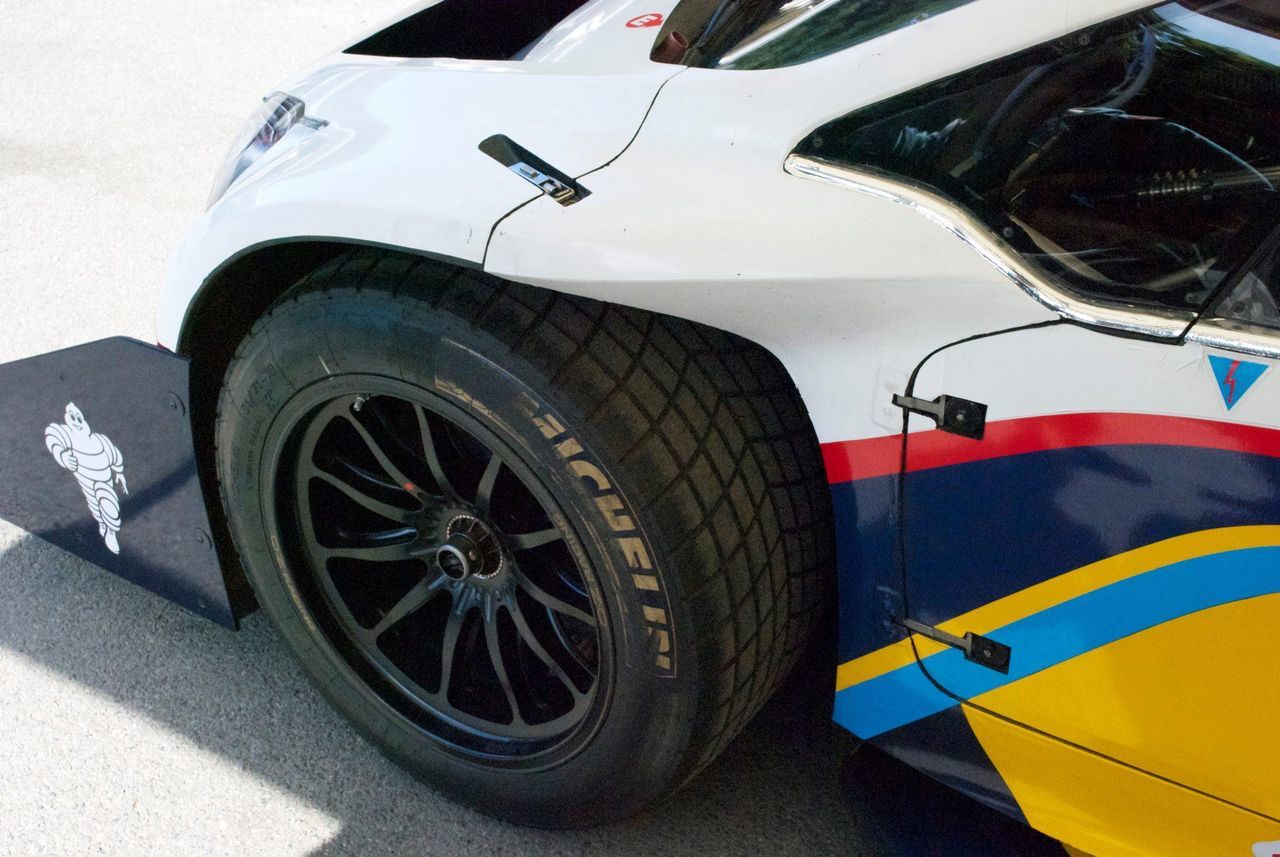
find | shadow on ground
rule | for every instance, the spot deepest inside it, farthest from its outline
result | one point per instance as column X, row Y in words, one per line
column 776, row 791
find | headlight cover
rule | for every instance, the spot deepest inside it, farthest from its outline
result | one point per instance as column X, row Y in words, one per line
column 267, row 126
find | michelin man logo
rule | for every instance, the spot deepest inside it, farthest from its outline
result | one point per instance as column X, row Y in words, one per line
column 98, row 467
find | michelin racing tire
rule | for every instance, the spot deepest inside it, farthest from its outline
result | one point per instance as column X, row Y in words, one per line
column 549, row 554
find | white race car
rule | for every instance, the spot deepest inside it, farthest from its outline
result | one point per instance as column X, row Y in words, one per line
column 551, row 362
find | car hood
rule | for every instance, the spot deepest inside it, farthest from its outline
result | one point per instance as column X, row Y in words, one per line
column 394, row 159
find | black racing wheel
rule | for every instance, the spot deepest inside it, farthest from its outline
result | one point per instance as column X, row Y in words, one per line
column 549, row 554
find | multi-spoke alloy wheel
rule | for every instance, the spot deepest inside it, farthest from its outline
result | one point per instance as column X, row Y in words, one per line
column 436, row 565
column 549, row 555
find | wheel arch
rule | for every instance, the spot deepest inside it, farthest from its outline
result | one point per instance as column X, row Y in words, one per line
column 222, row 313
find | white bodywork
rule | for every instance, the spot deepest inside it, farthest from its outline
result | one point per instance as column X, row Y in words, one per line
column 697, row 209
column 697, row 217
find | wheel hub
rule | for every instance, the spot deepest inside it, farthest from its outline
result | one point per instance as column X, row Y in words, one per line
column 470, row 550
column 457, row 558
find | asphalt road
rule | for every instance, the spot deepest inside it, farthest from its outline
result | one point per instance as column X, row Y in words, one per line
column 126, row 726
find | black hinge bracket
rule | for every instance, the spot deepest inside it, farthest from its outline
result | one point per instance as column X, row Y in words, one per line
column 977, row 649
column 558, row 185
column 951, row 413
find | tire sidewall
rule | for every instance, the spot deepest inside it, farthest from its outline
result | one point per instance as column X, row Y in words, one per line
column 642, row 738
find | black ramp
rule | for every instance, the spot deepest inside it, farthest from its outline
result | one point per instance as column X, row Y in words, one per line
column 96, row 457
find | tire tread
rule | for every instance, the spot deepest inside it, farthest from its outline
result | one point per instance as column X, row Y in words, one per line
column 712, row 440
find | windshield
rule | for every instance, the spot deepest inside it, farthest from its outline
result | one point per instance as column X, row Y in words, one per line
column 755, row 34
column 1136, row 166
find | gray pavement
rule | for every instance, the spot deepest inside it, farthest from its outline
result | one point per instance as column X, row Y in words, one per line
column 126, row 726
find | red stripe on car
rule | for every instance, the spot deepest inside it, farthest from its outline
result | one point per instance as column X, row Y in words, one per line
column 849, row 461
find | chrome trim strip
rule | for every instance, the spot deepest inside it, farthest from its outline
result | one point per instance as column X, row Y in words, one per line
column 1161, row 324
column 1236, row 336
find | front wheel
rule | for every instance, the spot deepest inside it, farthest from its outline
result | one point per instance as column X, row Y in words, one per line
column 550, row 555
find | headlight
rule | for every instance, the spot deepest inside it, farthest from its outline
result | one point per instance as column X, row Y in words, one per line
column 266, row 127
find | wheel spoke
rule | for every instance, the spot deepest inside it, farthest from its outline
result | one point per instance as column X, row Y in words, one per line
column 385, row 510
column 376, row 449
column 484, row 493
column 372, row 553
column 335, row 597
column 381, row 538
column 410, row 603
column 448, row 650
column 541, row 653
column 429, row 451
column 529, row 541
column 546, row 599
column 368, row 475
column 568, row 645
column 495, row 655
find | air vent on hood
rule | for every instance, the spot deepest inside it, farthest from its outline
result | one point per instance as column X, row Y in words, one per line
column 469, row 30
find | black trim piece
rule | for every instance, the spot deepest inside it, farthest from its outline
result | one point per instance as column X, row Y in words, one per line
column 951, row 414
column 555, row 183
column 977, row 649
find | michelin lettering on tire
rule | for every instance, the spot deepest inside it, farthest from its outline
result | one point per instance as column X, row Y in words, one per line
column 629, row 539
column 98, row 466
